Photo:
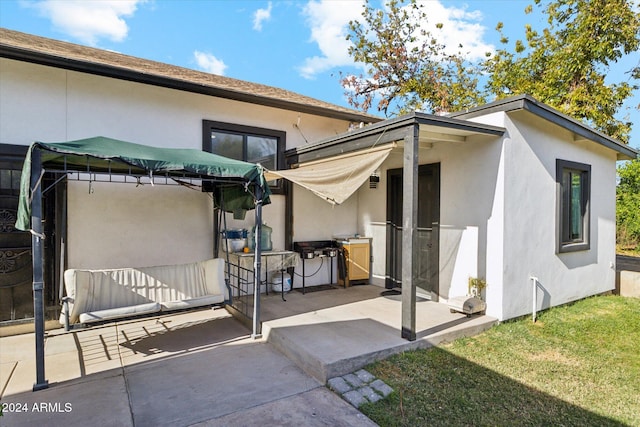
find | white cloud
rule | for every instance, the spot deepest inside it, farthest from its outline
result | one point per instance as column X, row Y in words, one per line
column 459, row 27
column 260, row 16
column 89, row 21
column 328, row 21
column 209, row 63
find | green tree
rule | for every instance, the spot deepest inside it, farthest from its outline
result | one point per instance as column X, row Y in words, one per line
column 406, row 67
column 628, row 205
column 566, row 64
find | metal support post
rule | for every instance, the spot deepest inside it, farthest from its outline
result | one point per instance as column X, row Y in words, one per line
column 38, row 266
column 257, row 264
column 409, row 231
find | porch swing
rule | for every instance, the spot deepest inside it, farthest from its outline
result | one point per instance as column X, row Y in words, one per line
column 101, row 159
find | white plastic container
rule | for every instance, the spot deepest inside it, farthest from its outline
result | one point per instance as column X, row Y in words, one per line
column 236, row 238
column 237, row 245
column 278, row 279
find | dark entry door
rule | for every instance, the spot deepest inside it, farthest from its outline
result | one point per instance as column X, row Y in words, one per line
column 428, row 222
column 16, row 300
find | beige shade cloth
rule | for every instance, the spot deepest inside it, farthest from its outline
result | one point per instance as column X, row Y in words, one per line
column 335, row 179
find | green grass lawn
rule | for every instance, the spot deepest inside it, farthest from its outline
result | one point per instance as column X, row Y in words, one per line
column 578, row 365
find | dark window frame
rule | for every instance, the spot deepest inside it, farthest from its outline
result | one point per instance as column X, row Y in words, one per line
column 210, row 125
column 565, row 243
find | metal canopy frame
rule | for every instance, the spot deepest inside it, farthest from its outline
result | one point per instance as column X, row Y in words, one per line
column 102, row 174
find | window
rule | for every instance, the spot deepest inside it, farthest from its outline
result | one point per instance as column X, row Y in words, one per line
column 573, row 182
column 250, row 144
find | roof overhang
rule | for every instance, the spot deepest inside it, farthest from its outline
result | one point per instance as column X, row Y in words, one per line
column 68, row 56
column 432, row 129
column 530, row 104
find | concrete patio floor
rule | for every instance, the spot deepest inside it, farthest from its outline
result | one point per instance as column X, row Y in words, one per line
column 203, row 368
column 333, row 332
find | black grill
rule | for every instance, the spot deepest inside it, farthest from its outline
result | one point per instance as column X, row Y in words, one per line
column 316, row 248
column 313, row 248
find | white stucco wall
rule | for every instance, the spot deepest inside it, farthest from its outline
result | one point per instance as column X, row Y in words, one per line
column 121, row 225
column 530, row 218
column 41, row 103
column 498, row 216
column 469, row 205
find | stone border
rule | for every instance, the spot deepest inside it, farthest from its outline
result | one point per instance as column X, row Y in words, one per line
column 359, row 387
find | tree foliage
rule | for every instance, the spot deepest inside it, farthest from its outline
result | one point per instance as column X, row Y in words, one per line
column 566, row 64
column 628, row 205
column 407, row 68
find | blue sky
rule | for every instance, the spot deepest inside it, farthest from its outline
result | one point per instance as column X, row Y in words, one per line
column 295, row 45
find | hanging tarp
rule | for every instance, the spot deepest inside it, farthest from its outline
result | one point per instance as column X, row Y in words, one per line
column 107, row 155
column 335, row 179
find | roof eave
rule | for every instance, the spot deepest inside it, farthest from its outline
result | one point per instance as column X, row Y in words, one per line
column 528, row 103
column 26, row 55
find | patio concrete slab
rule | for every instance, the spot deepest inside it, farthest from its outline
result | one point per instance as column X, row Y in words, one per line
column 179, row 370
column 100, row 401
column 212, row 383
column 314, row 408
column 333, row 332
column 202, row 367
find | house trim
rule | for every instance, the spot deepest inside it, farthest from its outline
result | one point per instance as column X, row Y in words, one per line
column 386, row 131
column 585, row 171
column 280, row 136
column 528, row 103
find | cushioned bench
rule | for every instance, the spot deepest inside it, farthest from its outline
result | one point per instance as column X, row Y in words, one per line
column 101, row 295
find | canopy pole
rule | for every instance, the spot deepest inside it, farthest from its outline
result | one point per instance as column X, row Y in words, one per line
column 38, row 267
column 257, row 264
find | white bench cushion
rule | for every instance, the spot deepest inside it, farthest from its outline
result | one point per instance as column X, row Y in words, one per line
column 121, row 292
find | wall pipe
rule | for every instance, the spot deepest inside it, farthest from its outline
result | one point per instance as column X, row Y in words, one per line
column 534, row 286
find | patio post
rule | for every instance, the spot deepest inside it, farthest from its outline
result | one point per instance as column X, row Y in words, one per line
column 409, row 230
column 38, row 267
column 257, row 264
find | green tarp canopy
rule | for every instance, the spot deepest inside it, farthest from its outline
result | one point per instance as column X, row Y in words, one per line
column 106, row 155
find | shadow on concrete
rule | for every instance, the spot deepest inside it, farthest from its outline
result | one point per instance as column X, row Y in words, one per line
column 274, row 308
column 396, row 295
column 185, row 337
column 443, row 326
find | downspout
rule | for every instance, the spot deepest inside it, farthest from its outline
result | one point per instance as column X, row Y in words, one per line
column 38, row 265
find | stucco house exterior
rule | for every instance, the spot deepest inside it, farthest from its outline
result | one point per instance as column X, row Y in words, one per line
column 507, row 192
column 525, row 201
